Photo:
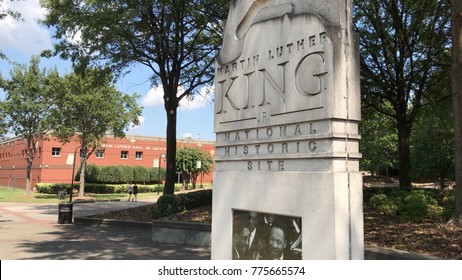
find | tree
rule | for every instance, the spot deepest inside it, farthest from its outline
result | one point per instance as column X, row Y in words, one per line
column 3, row 125
column 378, row 142
column 89, row 107
column 27, row 106
column 432, row 153
column 176, row 40
column 402, row 45
column 191, row 162
column 456, row 81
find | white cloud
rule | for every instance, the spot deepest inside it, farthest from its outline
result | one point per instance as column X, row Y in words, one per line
column 25, row 37
column 200, row 100
column 141, row 119
column 187, row 135
column 154, row 98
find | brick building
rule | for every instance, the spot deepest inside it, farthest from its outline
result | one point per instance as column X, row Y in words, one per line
column 54, row 160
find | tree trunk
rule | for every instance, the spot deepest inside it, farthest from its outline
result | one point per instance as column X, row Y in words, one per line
column 185, row 180
column 456, row 32
column 404, row 147
column 194, row 181
column 28, row 172
column 83, row 164
column 170, row 176
column 30, row 143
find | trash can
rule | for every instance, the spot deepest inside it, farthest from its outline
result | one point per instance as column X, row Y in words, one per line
column 65, row 213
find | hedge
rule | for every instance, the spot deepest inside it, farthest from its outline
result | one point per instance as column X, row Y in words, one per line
column 49, row 188
column 53, row 188
column 120, row 174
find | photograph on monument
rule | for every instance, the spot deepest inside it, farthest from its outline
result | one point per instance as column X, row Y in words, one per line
column 266, row 236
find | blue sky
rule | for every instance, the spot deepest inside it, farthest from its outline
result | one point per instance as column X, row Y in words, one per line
column 20, row 40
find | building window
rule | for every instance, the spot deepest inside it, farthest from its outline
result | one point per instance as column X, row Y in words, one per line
column 124, row 154
column 139, row 155
column 56, row 152
column 99, row 154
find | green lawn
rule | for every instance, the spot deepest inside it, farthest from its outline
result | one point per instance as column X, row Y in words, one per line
column 8, row 194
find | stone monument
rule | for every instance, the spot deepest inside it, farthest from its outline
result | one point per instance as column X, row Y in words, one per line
column 287, row 106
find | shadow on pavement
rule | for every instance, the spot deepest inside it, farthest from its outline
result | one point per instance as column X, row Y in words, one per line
column 107, row 243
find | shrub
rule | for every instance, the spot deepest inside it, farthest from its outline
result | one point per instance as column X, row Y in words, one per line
column 382, row 203
column 91, row 173
column 413, row 205
column 168, row 205
column 154, row 174
column 100, row 188
column 416, row 205
column 435, row 211
column 140, row 174
column 125, row 174
column 109, row 174
column 171, row 204
column 51, row 188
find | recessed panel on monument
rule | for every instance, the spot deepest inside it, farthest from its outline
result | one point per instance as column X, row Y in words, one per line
column 286, row 119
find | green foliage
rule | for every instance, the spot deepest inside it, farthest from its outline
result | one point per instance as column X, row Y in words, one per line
column 120, row 174
column 168, row 205
column 414, row 205
column 89, row 108
column 378, row 144
column 176, row 40
column 109, row 174
column 26, row 109
column 171, row 204
column 191, row 162
column 433, row 152
column 404, row 48
column 126, row 173
column 91, row 173
column 52, row 188
column 140, row 174
column 385, row 205
column 154, row 174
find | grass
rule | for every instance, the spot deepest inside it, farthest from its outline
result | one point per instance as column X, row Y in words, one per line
column 10, row 194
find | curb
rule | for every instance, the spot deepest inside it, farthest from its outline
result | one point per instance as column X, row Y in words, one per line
column 370, row 252
column 110, row 222
column 379, row 253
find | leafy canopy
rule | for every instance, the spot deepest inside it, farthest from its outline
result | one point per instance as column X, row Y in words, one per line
column 29, row 91
column 88, row 106
column 177, row 40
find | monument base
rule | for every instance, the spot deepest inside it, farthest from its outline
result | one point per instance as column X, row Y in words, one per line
column 329, row 209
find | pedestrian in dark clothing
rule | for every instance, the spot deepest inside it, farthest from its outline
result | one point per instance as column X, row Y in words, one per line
column 135, row 192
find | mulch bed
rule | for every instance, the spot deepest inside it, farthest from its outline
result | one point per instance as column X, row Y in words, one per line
column 428, row 237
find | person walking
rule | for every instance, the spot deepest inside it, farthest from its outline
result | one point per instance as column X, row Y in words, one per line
column 135, row 192
column 130, row 191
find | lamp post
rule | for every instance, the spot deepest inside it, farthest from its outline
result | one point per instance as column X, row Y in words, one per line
column 72, row 180
column 158, row 173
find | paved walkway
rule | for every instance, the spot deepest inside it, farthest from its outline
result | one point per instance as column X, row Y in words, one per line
column 30, row 231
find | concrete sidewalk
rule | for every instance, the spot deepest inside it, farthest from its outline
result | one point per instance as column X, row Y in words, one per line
column 30, row 231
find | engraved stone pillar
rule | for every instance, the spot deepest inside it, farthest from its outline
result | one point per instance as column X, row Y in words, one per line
column 287, row 108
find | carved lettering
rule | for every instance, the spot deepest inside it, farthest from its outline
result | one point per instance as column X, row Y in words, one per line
column 310, row 74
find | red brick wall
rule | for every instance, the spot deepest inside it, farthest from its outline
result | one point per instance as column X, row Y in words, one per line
column 58, row 169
